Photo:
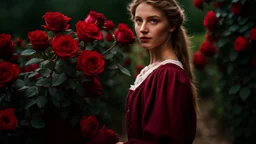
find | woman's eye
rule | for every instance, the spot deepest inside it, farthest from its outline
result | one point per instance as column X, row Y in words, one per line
column 153, row 21
column 138, row 20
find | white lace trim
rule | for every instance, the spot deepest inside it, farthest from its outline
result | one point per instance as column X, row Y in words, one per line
column 149, row 69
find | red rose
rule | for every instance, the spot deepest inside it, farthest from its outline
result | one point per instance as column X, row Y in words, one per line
column 199, row 4
column 89, row 126
column 211, row 38
column 30, row 68
column 88, row 32
column 109, row 37
column 105, row 136
column 18, row 41
column 38, row 39
column 6, row 46
column 64, row 46
column 217, row 4
column 210, row 20
column 90, row 62
column 127, row 62
column 109, row 25
column 199, row 60
column 8, row 121
column 124, row 35
column 95, row 18
column 240, row 44
column 139, row 67
column 14, row 58
column 252, row 34
column 93, row 88
column 236, row 8
column 208, row 49
column 56, row 21
column 8, row 73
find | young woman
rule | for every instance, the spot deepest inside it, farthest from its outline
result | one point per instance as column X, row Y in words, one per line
column 161, row 105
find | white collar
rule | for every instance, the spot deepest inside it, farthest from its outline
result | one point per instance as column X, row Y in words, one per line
column 144, row 73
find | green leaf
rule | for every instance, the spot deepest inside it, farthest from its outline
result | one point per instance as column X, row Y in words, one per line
column 243, row 21
column 19, row 83
column 41, row 101
column 234, row 28
column 89, row 47
column 110, row 54
column 245, row 93
column 38, row 123
column 32, row 75
column 222, row 42
column 113, row 66
column 57, row 96
column 234, row 89
column 24, row 123
column 65, row 103
column 27, row 52
column 124, row 70
column 45, row 72
column 30, row 103
column 72, row 84
column 33, row 61
column 31, row 91
column 43, row 63
column 243, row 28
column 233, row 56
column 59, row 79
column 44, row 82
column 23, row 88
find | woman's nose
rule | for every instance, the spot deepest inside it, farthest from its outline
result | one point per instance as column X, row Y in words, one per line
column 143, row 28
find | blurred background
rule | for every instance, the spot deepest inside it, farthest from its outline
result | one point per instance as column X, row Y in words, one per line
column 18, row 17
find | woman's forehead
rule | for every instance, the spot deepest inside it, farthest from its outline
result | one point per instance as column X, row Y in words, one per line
column 147, row 10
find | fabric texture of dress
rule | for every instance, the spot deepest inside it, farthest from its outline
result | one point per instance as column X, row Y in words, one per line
column 159, row 108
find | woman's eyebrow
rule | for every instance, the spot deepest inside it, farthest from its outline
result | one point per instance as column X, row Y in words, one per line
column 149, row 17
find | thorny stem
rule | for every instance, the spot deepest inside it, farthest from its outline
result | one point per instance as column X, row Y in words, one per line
column 114, row 44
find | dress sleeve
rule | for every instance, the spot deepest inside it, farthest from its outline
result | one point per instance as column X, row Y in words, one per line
column 168, row 115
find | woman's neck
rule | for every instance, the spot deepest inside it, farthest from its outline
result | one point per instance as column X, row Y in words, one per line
column 162, row 53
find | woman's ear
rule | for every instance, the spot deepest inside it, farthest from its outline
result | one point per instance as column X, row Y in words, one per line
column 172, row 29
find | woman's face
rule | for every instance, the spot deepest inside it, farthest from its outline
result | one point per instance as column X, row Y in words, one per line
column 151, row 26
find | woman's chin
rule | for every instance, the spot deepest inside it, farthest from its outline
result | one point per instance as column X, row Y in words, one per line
column 146, row 46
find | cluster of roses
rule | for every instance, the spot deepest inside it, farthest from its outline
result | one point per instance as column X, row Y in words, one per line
column 66, row 46
column 211, row 21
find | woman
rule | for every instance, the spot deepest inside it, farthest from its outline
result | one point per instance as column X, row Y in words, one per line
column 161, row 105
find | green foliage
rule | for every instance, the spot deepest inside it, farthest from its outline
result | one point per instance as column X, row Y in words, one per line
column 235, row 101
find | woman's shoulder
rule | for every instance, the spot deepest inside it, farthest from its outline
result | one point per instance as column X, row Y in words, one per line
column 169, row 71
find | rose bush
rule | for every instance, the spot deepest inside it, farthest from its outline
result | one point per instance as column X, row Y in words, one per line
column 61, row 78
column 230, row 28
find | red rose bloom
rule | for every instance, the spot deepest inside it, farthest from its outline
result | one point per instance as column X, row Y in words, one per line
column 105, row 136
column 217, row 4
column 127, row 62
column 93, row 88
column 88, row 32
column 199, row 60
column 89, row 126
column 124, row 35
column 199, row 4
column 109, row 37
column 18, row 41
column 30, row 68
column 8, row 121
column 208, row 49
column 240, row 44
column 38, row 39
column 90, row 62
column 64, row 46
column 8, row 73
column 95, row 18
column 56, row 21
column 109, row 25
column 210, row 20
column 6, row 46
column 139, row 67
column 236, row 8
column 252, row 34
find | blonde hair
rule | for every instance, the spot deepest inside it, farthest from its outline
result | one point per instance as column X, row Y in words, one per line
column 179, row 39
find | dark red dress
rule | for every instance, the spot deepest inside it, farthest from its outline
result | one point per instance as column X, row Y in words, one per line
column 160, row 109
